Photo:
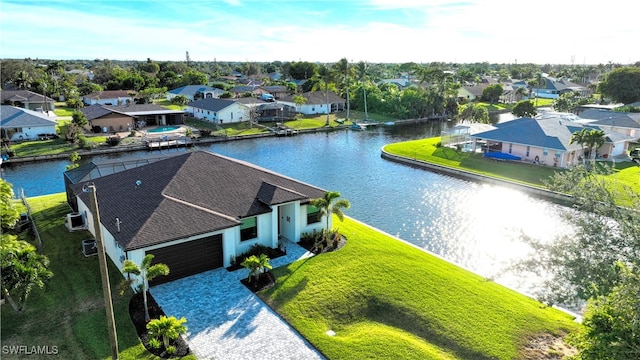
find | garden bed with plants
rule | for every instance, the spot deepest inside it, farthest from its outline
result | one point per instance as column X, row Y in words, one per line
column 256, row 250
column 178, row 347
column 320, row 242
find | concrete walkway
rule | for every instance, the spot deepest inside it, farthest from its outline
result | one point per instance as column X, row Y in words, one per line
column 225, row 320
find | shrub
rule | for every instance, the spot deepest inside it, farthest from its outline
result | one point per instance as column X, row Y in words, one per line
column 205, row 132
column 96, row 129
column 113, row 140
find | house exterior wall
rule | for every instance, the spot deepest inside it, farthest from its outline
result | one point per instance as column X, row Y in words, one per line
column 111, row 247
column 231, row 114
column 109, row 101
column 307, row 228
column 549, row 157
column 30, row 132
column 113, row 122
column 311, row 109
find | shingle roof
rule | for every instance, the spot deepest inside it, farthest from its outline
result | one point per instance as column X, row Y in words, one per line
column 551, row 133
column 18, row 117
column 609, row 118
column 187, row 195
column 96, row 110
column 22, row 95
column 316, row 97
column 211, row 104
column 193, row 89
column 109, row 94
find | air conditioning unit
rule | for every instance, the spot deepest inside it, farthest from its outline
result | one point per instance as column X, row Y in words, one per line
column 75, row 222
column 89, row 247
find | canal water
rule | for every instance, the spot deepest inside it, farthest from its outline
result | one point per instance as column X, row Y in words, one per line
column 478, row 226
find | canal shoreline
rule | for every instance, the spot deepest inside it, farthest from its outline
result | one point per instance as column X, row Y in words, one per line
column 556, row 197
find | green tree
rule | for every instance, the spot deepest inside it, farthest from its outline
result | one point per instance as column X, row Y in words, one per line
column 524, row 108
column 612, row 322
column 79, row 119
column 302, row 70
column 329, row 204
column 152, row 93
column 256, row 266
column 143, row 274
column 492, row 92
column 22, row 269
column 74, row 157
column 324, row 79
column 566, row 102
column 8, row 211
column 180, row 100
column 167, row 329
column 299, row 100
column 474, row 113
column 622, row 85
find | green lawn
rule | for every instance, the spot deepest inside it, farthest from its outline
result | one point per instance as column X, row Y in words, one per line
column 625, row 173
column 385, row 299
column 69, row 313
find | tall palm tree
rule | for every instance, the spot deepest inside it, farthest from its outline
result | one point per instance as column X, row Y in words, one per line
column 143, row 273
column 342, row 67
column 361, row 72
column 323, row 78
column 331, row 204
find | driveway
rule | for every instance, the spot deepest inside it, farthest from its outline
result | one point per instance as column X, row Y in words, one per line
column 227, row 321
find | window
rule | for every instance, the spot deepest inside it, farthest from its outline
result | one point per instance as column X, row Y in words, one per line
column 510, row 148
column 545, row 152
column 248, row 229
column 313, row 214
column 528, row 148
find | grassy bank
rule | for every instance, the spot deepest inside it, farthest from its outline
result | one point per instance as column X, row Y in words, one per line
column 624, row 173
column 69, row 313
column 385, row 299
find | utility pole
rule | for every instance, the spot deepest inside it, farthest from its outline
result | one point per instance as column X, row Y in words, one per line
column 104, row 274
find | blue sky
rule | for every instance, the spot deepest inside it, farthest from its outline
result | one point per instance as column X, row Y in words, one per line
column 500, row 31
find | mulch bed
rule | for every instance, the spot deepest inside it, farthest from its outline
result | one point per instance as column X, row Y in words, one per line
column 271, row 253
column 265, row 281
column 136, row 311
column 324, row 247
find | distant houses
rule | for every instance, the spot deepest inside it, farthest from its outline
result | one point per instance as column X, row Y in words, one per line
column 20, row 124
column 27, row 99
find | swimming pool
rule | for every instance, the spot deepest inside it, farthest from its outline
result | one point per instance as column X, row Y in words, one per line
column 162, row 129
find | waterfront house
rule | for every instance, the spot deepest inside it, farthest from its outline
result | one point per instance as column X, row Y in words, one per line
column 317, row 102
column 553, row 88
column 129, row 117
column 20, row 124
column 470, row 93
column 547, row 140
column 219, row 111
column 197, row 211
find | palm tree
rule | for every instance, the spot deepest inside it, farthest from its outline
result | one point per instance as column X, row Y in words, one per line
column 146, row 272
column 324, row 77
column 167, row 328
column 591, row 138
column 361, row 73
column 520, row 93
column 330, row 204
column 256, row 265
column 342, row 67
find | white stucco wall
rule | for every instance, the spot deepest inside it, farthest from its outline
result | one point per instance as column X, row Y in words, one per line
column 231, row 114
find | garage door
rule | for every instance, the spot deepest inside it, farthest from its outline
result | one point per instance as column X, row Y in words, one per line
column 188, row 258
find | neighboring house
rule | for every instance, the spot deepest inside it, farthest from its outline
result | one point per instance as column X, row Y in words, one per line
column 110, row 97
column 194, row 92
column 27, row 99
column 126, row 118
column 82, row 73
column 219, row 111
column 547, row 141
column 317, row 102
column 20, row 124
column 555, row 87
column 197, row 211
column 278, row 91
column 401, row 83
column 470, row 93
column 240, row 90
column 621, row 122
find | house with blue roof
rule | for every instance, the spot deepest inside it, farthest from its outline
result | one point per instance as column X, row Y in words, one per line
column 194, row 92
column 20, row 124
column 547, row 141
